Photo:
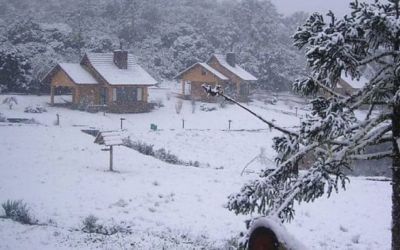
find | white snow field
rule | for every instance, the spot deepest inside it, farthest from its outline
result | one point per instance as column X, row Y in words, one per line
column 62, row 176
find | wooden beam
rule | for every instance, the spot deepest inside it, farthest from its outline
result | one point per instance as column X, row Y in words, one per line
column 52, row 95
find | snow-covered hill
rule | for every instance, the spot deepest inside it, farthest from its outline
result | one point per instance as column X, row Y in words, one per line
column 62, row 175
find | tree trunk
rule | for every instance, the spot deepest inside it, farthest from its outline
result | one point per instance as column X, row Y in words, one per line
column 396, row 181
column 396, row 206
column 396, row 151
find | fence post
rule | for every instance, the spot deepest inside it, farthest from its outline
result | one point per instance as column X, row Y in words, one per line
column 122, row 120
column 111, row 159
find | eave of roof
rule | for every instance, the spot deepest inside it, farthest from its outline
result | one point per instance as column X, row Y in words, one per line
column 206, row 67
column 236, row 70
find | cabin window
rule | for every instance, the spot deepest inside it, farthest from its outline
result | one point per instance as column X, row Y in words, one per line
column 203, row 72
column 139, row 94
column 127, row 94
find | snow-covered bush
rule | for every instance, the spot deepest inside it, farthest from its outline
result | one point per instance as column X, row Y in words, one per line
column 36, row 109
column 206, row 108
column 91, row 225
column 178, row 106
column 10, row 101
column 18, row 211
column 167, row 156
column 141, row 147
column 161, row 154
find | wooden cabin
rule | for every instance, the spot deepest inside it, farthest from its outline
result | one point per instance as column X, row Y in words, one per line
column 239, row 78
column 347, row 86
column 195, row 76
column 218, row 70
column 114, row 80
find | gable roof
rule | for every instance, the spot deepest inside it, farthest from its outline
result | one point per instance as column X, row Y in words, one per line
column 74, row 71
column 208, row 68
column 104, row 64
column 237, row 70
column 78, row 73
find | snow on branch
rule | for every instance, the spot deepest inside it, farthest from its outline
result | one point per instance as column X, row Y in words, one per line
column 377, row 57
column 374, row 156
column 217, row 91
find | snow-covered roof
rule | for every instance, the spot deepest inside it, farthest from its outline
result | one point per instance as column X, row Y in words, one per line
column 109, row 138
column 355, row 83
column 237, row 70
column 78, row 73
column 103, row 63
column 214, row 71
column 207, row 67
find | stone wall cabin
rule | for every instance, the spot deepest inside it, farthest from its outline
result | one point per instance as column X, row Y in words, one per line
column 219, row 69
column 111, row 79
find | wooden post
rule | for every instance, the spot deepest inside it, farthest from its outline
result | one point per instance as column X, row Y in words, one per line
column 183, row 87
column 145, row 94
column 58, row 120
column 52, row 95
column 111, row 159
column 183, row 123
column 229, row 127
column 122, row 123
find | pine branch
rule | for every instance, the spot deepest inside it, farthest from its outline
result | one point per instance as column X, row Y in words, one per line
column 377, row 57
column 364, row 93
column 217, row 91
column 329, row 90
column 374, row 156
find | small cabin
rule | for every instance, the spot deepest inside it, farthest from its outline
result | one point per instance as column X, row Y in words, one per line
column 218, row 70
column 195, row 76
column 348, row 86
column 113, row 80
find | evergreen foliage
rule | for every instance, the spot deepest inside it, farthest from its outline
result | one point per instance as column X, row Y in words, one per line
column 165, row 36
column 332, row 133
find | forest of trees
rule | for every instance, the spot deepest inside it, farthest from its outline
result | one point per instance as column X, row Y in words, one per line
column 165, row 36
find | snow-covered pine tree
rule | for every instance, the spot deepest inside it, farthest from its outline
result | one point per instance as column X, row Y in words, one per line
column 332, row 133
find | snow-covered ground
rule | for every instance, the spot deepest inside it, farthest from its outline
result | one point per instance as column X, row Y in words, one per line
column 62, row 175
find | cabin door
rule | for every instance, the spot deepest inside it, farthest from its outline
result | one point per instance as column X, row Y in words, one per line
column 188, row 88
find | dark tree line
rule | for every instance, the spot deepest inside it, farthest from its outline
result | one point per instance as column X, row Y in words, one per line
column 166, row 36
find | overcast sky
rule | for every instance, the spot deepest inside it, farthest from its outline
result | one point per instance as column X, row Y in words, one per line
column 339, row 7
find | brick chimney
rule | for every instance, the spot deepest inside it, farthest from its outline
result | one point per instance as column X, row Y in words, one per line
column 121, row 59
column 231, row 59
